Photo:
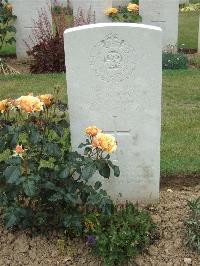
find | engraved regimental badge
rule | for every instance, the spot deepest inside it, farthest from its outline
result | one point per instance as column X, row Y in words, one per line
column 113, row 59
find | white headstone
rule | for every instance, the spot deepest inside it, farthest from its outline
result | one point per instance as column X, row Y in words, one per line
column 164, row 14
column 97, row 6
column 114, row 82
column 27, row 12
column 184, row 2
column 120, row 2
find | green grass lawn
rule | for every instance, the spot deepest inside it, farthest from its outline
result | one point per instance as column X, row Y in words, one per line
column 180, row 143
column 188, row 29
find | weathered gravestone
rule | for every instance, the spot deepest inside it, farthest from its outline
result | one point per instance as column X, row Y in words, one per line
column 114, row 82
column 120, row 2
column 27, row 11
column 96, row 7
column 164, row 14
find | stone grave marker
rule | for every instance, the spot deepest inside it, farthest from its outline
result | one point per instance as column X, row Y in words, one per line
column 163, row 14
column 27, row 11
column 97, row 7
column 114, row 82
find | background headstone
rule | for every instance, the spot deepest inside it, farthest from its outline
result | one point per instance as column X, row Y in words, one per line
column 114, row 82
column 120, row 2
column 164, row 14
column 27, row 11
column 184, row 2
column 97, row 6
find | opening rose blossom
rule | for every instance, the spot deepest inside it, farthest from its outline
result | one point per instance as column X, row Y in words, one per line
column 19, row 149
column 29, row 104
column 4, row 105
column 105, row 142
column 92, row 131
column 110, row 11
column 47, row 99
column 9, row 7
column 132, row 7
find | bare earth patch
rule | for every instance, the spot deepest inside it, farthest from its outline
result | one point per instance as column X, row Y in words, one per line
column 169, row 214
column 20, row 65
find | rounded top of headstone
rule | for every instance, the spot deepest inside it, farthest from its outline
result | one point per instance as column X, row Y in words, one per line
column 111, row 25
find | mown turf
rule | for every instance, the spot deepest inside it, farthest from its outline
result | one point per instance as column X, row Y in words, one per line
column 188, row 29
column 180, row 142
column 17, row 85
column 180, row 145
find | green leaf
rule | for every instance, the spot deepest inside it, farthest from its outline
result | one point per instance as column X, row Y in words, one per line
column 30, row 187
column 10, row 220
column 12, row 174
column 56, row 197
column 49, row 186
column 88, row 171
column 82, row 145
column 53, row 149
column 72, row 198
column 87, row 150
column 64, row 173
column 115, row 169
column 35, row 137
column 14, row 161
column 97, row 185
column 103, row 168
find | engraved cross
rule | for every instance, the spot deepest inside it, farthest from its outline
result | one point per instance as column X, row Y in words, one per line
column 117, row 133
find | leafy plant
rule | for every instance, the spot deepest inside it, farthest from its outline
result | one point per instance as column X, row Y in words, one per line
column 121, row 236
column 174, row 61
column 42, row 182
column 58, row 7
column 6, row 23
column 193, row 225
column 129, row 13
column 47, row 46
column 191, row 7
column 6, row 29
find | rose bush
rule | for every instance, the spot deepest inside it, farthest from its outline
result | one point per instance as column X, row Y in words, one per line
column 43, row 184
column 129, row 13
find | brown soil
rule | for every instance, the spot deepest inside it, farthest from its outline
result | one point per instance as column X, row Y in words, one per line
column 20, row 65
column 187, row 50
column 169, row 214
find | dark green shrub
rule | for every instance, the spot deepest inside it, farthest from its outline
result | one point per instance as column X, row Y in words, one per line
column 121, row 236
column 193, row 225
column 174, row 61
column 43, row 184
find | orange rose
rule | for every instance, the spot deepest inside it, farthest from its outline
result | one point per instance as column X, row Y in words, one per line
column 29, row 104
column 19, row 149
column 105, row 142
column 132, row 7
column 46, row 99
column 9, row 7
column 110, row 11
column 4, row 105
column 92, row 131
